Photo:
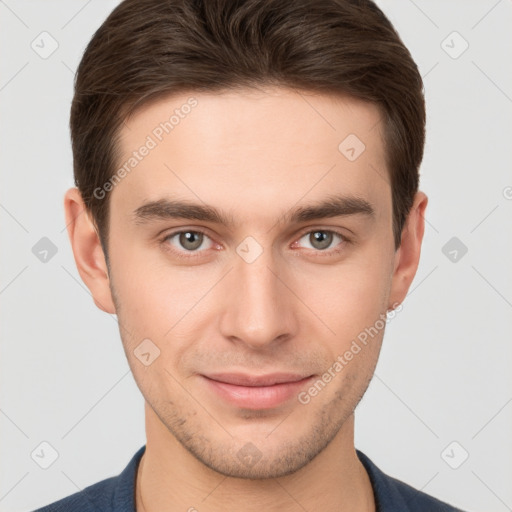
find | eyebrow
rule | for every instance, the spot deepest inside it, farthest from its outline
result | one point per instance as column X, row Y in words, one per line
column 332, row 206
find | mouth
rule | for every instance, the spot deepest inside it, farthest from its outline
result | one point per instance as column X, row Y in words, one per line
column 256, row 391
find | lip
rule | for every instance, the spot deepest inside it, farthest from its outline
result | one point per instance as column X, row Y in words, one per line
column 256, row 391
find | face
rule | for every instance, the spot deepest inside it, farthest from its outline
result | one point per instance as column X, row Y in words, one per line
column 249, row 251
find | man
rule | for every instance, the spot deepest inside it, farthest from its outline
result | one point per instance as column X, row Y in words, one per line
column 248, row 207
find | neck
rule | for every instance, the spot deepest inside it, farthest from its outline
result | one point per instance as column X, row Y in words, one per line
column 170, row 479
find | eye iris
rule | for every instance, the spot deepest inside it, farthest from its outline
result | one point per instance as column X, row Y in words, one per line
column 191, row 240
column 320, row 239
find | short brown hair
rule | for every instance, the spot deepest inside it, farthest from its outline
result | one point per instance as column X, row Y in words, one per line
column 148, row 49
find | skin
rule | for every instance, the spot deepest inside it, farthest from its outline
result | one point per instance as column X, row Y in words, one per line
column 254, row 155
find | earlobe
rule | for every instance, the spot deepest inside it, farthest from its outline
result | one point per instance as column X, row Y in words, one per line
column 407, row 256
column 87, row 250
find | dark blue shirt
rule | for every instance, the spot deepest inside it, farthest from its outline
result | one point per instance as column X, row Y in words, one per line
column 117, row 494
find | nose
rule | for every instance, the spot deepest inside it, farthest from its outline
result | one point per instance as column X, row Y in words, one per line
column 259, row 310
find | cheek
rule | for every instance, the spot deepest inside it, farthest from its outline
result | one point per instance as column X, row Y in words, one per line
column 147, row 296
column 171, row 305
column 349, row 298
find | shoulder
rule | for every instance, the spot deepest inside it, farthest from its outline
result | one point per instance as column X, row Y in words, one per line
column 394, row 495
column 114, row 494
column 94, row 498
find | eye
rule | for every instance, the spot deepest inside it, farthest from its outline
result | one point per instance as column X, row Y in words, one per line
column 322, row 239
column 189, row 241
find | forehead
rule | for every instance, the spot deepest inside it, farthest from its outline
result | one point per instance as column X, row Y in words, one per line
column 252, row 148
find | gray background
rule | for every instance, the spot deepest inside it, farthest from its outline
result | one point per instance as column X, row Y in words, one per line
column 444, row 374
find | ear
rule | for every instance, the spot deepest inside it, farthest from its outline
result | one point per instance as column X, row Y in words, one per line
column 407, row 256
column 89, row 257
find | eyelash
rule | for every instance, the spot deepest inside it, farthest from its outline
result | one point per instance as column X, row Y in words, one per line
column 195, row 254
